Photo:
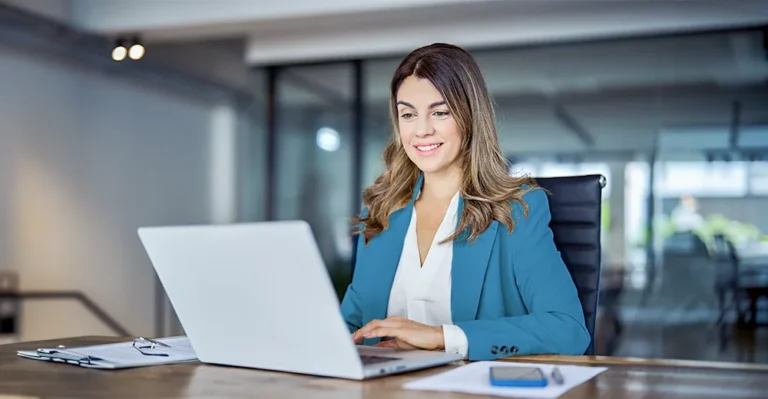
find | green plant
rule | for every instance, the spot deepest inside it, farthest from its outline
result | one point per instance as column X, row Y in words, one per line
column 605, row 215
column 733, row 230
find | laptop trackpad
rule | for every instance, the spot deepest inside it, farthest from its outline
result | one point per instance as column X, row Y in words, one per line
column 373, row 355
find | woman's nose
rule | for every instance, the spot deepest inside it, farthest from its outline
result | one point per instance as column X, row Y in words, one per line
column 424, row 128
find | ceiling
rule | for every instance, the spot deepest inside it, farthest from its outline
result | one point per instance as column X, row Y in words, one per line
column 279, row 31
column 618, row 72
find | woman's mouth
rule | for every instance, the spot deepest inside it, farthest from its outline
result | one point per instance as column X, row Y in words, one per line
column 427, row 150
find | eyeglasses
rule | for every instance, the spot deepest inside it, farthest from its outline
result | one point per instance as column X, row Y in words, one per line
column 148, row 346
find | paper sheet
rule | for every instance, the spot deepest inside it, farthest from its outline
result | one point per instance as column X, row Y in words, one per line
column 474, row 378
column 125, row 354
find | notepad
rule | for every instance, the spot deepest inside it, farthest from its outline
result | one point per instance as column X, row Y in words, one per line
column 474, row 378
column 116, row 356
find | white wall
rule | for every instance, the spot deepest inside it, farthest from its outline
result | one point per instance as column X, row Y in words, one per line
column 86, row 159
column 220, row 60
column 60, row 10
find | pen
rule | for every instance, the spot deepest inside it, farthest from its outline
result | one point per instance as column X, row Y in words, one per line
column 557, row 376
column 65, row 354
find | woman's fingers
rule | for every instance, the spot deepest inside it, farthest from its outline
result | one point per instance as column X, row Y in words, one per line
column 396, row 343
column 382, row 332
column 406, row 333
column 358, row 335
column 392, row 322
column 388, row 344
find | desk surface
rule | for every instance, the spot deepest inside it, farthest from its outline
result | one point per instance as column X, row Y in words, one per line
column 635, row 378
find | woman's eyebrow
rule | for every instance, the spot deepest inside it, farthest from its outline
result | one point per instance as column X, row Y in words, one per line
column 433, row 105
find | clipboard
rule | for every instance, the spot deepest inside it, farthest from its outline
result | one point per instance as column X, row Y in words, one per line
column 140, row 352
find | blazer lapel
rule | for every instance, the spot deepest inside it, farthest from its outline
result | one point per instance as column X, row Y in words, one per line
column 470, row 261
column 385, row 255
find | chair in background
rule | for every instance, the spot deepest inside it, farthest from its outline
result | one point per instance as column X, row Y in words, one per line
column 575, row 204
column 739, row 282
column 727, row 278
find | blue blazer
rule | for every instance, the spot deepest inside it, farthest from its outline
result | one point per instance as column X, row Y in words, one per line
column 511, row 294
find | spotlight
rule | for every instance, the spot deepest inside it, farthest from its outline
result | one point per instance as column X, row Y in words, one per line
column 119, row 52
column 133, row 50
column 136, row 52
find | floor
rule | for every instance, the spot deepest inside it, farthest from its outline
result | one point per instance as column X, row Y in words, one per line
column 674, row 326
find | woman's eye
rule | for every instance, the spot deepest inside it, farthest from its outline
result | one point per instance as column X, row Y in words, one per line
column 441, row 114
column 406, row 116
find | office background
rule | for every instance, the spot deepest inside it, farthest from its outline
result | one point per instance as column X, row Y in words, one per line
column 253, row 111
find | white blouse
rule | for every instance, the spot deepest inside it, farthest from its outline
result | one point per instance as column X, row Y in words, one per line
column 423, row 293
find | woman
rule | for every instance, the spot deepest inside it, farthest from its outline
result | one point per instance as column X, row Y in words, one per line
column 454, row 254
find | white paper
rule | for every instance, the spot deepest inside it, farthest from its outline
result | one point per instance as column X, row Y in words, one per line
column 474, row 378
column 125, row 354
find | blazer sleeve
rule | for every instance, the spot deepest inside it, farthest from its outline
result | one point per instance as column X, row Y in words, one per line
column 555, row 320
column 350, row 303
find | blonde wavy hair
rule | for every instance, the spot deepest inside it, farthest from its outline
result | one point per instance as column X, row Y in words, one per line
column 487, row 188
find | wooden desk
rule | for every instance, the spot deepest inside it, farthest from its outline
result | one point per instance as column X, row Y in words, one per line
column 626, row 378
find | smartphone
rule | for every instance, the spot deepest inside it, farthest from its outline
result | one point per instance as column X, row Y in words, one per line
column 517, row 377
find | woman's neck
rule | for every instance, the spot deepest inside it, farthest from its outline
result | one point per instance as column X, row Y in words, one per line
column 441, row 185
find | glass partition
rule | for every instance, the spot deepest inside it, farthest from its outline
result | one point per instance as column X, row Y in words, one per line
column 314, row 159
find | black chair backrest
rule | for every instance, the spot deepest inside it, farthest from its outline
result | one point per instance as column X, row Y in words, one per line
column 575, row 204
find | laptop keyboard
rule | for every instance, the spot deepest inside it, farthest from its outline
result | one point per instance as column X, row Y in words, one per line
column 369, row 359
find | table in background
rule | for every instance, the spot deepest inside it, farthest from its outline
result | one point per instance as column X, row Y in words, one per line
column 625, row 378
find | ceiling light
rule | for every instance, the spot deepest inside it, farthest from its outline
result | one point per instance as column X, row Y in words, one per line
column 136, row 51
column 328, row 139
column 119, row 52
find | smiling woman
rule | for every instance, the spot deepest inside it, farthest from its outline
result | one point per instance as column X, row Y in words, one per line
column 433, row 141
column 454, row 254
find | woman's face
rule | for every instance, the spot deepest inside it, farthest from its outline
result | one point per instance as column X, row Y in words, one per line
column 428, row 132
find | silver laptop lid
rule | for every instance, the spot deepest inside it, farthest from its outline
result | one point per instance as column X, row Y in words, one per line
column 254, row 295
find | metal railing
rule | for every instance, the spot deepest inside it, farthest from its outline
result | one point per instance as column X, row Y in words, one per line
column 78, row 296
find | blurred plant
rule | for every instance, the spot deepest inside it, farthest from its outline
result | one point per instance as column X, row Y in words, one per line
column 605, row 216
column 714, row 224
column 733, row 230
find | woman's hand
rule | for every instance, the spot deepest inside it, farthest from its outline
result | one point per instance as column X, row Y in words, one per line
column 407, row 334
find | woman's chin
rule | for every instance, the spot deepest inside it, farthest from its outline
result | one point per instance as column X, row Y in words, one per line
column 431, row 168
column 430, row 164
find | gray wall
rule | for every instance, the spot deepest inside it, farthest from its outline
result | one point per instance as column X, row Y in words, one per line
column 85, row 159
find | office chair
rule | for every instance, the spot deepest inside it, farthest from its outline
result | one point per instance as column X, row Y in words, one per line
column 575, row 204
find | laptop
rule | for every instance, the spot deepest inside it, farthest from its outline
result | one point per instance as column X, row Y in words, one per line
column 258, row 295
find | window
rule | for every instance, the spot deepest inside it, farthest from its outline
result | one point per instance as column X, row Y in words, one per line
column 758, row 180
column 701, row 179
column 313, row 176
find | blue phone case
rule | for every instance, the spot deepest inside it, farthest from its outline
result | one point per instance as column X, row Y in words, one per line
column 515, row 382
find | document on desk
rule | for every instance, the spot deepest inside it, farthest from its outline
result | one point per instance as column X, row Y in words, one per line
column 118, row 355
column 475, row 378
